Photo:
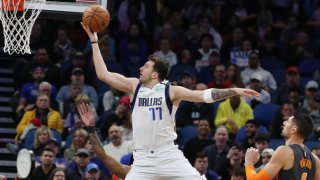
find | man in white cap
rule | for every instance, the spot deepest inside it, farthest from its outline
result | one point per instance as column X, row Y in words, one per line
column 310, row 92
column 265, row 157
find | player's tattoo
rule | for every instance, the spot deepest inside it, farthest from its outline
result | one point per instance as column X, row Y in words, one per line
column 220, row 94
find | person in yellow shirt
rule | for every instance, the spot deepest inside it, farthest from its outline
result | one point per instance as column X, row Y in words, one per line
column 233, row 113
column 48, row 116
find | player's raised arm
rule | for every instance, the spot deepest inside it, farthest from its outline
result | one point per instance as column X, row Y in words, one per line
column 209, row 95
column 115, row 80
column 278, row 160
column 87, row 117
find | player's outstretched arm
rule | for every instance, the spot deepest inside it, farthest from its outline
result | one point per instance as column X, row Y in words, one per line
column 115, row 80
column 87, row 116
column 209, row 95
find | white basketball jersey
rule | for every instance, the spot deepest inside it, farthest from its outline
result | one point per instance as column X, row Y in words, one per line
column 153, row 117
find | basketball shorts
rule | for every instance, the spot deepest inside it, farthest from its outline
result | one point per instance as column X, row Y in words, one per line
column 166, row 163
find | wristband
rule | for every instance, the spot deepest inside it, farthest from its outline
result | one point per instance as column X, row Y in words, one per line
column 93, row 42
column 90, row 129
column 207, row 96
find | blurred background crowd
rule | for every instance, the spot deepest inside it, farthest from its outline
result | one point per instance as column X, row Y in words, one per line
column 271, row 46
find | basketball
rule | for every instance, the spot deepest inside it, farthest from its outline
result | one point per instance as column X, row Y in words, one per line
column 96, row 17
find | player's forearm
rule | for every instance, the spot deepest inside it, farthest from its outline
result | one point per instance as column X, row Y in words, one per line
column 220, row 94
column 252, row 175
column 112, row 164
column 98, row 62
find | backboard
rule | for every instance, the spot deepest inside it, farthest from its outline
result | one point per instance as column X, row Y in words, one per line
column 65, row 9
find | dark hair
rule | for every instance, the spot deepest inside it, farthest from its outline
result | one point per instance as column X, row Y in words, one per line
column 47, row 149
column 56, row 170
column 262, row 137
column 252, row 121
column 161, row 66
column 200, row 155
column 304, row 124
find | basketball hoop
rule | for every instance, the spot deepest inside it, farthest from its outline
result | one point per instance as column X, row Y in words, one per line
column 17, row 19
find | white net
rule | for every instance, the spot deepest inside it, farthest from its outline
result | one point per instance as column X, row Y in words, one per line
column 17, row 25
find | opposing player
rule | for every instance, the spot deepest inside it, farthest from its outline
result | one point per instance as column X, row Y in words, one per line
column 154, row 103
column 291, row 161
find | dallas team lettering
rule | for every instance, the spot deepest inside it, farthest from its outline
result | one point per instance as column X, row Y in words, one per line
column 150, row 101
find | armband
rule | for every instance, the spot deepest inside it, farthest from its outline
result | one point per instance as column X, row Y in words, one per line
column 90, row 129
column 207, row 97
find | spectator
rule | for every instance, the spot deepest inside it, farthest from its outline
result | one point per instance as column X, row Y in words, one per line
column 193, row 42
column 188, row 80
column 110, row 99
column 78, row 61
column 82, row 159
column 62, row 47
column 315, row 116
column 166, row 52
column 234, row 159
column 234, row 44
column 78, row 140
column 117, row 116
column 92, row 172
column 300, row 48
column 133, row 46
column 233, row 113
column 41, row 138
column 207, row 46
column 310, row 92
column 220, row 80
column 59, row 161
column 30, row 91
column 46, row 88
column 197, row 144
column 48, row 116
column 256, row 84
column 189, row 113
column 201, row 165
column 47, row 166
column 217, row 152
column 3, row 177
column 292, row 81
column 130, row 10
column 58, row 174
column 77, row 75
column 265, row 158
column 117, row 147
column 205, row 74
column 268, row 80
column 68, row 104
column 251, row 132
column 41, row 59
column 295, row 96
column 234, row 76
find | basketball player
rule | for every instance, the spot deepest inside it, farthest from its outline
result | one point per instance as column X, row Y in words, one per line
column 291, row 161
column 154, row 103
